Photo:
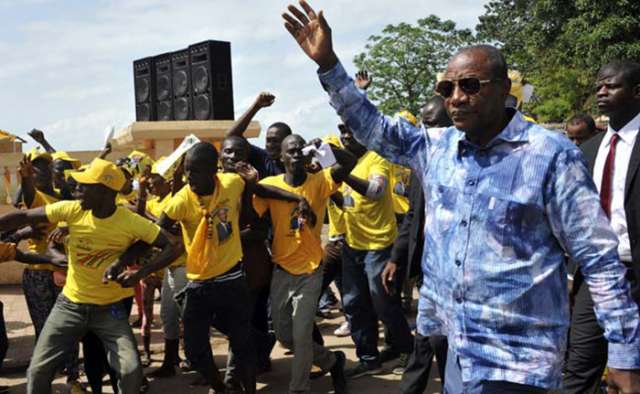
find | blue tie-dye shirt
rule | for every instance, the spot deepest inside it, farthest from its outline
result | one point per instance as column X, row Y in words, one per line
column 500, row 220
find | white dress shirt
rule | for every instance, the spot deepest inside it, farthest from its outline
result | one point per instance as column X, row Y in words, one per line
column 624, row 147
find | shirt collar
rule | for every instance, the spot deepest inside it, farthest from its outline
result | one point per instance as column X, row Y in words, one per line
column 627, row 132
column 515, row 131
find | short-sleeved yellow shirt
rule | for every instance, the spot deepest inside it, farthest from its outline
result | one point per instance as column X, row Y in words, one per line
column 399, row 185
column 93, row 245
column 296, row 248
column 155, row 206
column 337, row 226
column 186, row 207
column 371, row 224
column 40, row 246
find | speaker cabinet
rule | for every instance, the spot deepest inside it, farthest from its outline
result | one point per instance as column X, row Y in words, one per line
column 164, row 87
column 144, row 88
column 181, row 85
column 211, row 82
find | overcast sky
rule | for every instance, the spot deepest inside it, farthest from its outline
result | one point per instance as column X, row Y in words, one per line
column 67, row 65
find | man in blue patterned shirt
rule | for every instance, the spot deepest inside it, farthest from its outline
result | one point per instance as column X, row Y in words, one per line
column 505, row 200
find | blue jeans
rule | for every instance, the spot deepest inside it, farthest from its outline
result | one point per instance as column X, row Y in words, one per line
column 366, row 301
column 454, row 385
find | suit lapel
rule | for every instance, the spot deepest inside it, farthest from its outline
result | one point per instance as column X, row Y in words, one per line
column 634, row 163
column 590, row 149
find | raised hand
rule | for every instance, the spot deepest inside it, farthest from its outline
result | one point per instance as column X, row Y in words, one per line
column 26, row 168
column 265, row 99
column 312, row 33
column 363, row 80
column 37, row 135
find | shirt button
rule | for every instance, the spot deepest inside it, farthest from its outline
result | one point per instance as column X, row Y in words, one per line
column 459, row 300
column 471, row 182
column 458, row 263
column 463, row 223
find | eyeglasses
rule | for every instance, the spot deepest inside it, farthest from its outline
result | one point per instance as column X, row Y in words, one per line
column 469, row 86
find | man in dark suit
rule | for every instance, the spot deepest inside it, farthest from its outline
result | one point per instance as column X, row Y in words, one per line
column 405, row 263
column 614, row 161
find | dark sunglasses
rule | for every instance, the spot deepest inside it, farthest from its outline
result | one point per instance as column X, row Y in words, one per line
column 469, row 86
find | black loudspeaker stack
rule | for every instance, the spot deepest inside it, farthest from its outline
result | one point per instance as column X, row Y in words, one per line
column 189, row 84
column 144, row 87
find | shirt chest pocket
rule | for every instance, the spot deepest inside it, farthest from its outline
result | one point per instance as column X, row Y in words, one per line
column 513, row 228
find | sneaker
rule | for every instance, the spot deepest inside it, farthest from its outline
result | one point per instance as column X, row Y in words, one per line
column 363, row 369
column 403, row 361
column 344, row 330
column 337, row 374
column 388, row 355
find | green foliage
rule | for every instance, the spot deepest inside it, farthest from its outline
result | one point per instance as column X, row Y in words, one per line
column 405, row 59
column 561, row 44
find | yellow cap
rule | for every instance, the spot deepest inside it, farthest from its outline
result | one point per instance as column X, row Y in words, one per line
column 408, row 116
column 516, row 86
column 139, row 161
column 36, row 153
column 64, row 156
column 101, row 172
column 333, row 140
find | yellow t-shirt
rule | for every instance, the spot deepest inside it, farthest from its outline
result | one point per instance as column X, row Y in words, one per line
column 298, row 251
column 185, row 207
column 371, row 224
column 40, row 246
column 127, row 199
column 93, row 245
column 337, row 226
column 155, row 206
column 399, row 185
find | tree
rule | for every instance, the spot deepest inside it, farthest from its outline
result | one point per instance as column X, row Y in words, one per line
column 405, row 59
column 559, row 45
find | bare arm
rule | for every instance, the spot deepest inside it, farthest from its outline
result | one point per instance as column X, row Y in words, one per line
column 105, row 151
column 26, row 181
column 38, row 136
column 345, row 161
column 264, row 99
column 59, row 259
column 178, row 183
column 170, row 250
column 19, row 219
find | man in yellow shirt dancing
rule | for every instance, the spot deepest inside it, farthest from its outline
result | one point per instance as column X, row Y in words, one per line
column 208, row 210
column 297, row 253
column 101, row 236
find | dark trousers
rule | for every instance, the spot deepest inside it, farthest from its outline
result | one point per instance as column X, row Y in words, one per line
column 416, row 376
column 4, row 340
column 587, row 351
column 227, row 306
column 95, row 358
column 366, row 301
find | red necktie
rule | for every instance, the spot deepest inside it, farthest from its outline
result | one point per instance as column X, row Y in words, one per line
column 607, row 176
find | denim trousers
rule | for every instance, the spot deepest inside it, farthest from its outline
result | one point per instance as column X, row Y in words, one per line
column 366, row 301
column 67, row 323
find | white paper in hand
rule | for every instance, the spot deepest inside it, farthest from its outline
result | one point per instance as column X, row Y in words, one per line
column 323, row 154
column 173, row 159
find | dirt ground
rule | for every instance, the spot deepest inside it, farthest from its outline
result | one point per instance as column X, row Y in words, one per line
column 21, row 342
